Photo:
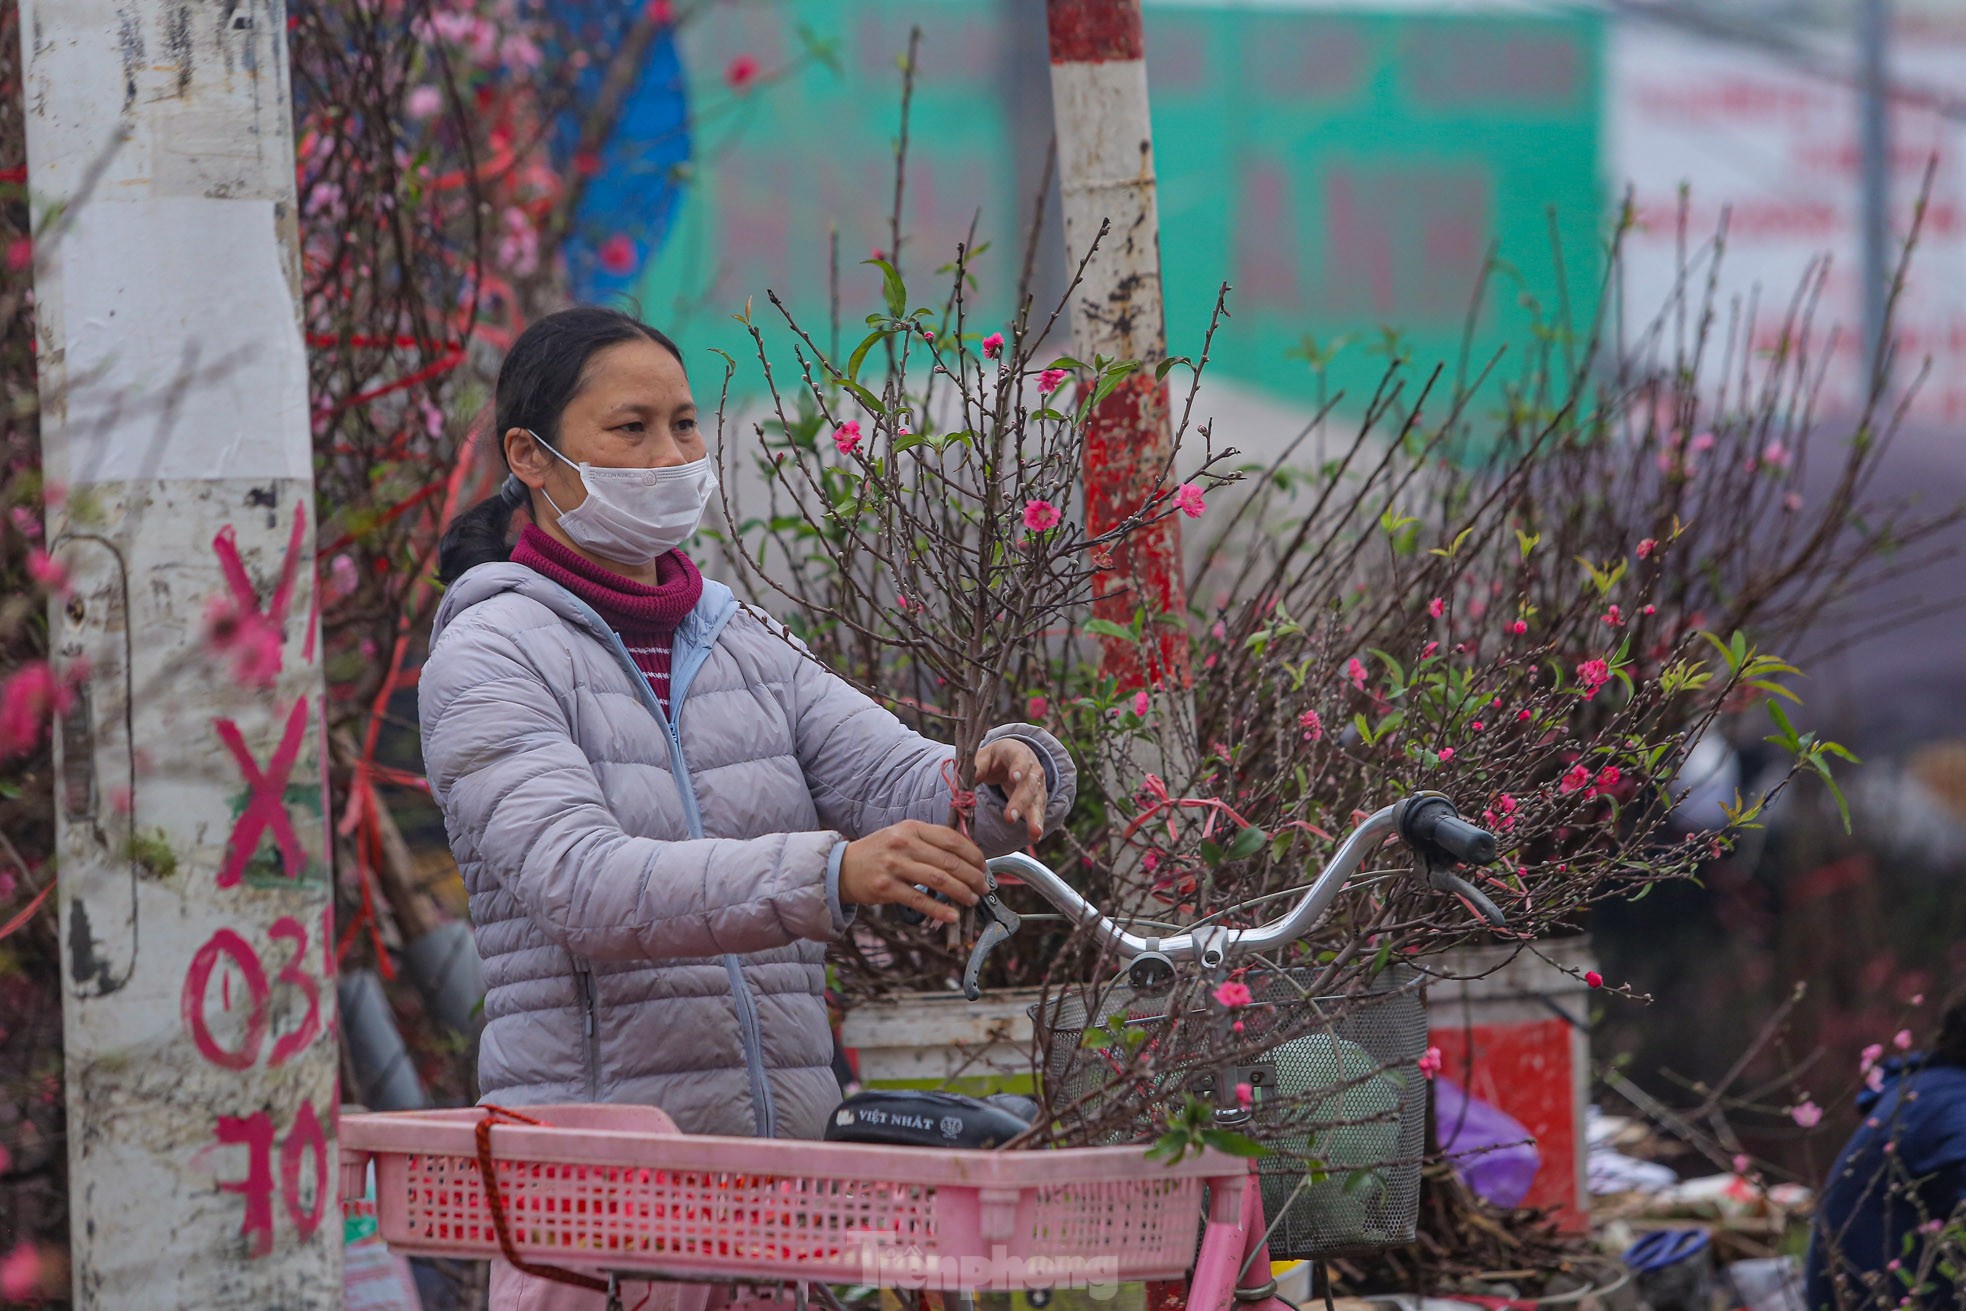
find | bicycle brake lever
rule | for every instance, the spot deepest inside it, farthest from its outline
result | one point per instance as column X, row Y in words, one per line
column 1000, row 921
column 1442, row 878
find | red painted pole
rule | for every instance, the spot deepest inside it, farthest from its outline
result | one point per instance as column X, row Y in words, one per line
column 1106, row 175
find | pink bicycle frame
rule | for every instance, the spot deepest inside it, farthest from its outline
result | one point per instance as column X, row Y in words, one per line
column 1232, row 1242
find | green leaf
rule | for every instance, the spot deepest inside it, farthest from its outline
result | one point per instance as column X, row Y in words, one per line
column 1111, row 379
column 1359, row 1180
column 1453, row 547
column 859, row 355
column 894, row 290
column 1235, row 1144
column 1107, row 628
column 1789, row 737
column 1160, row 370
column 865, row 397
column 1247, row 843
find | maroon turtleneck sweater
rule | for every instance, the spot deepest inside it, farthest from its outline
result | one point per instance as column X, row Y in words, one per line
column 646, row 617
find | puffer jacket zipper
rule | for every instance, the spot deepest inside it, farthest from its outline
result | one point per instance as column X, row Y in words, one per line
column 764, row 1115
column 592, row 1030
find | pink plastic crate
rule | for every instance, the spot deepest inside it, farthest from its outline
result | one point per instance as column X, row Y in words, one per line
column 638, row 1199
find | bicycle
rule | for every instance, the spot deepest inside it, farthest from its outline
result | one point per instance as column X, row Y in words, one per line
column 870, row 1206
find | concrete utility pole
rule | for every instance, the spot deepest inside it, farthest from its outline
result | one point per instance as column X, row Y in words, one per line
column 1874, row 177
column 198, row 990
column 1106, row 176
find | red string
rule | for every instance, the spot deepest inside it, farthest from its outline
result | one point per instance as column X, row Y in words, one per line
column 13, row 925
column 442, row 366
column 962, row 802
column 487, row 1176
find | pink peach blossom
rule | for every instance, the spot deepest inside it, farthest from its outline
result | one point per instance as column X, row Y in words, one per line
column 250, row 639
column 423, row 101
column 1189, row 498
column 1430, row 1062
column 1037, row 707
column 1040, row 515
column 20, row 1274
column 617, row 255
column 1049, row 381
column 1806, row 1114
column 847, row 436
column 993, row 346
column 26, row 702
column 741, row 72
column 1233, row 994
column 49, row 572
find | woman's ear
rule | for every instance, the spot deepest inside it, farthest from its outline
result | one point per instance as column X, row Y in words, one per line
column 525, row 459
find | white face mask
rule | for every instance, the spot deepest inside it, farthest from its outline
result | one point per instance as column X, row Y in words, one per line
column 631, row 516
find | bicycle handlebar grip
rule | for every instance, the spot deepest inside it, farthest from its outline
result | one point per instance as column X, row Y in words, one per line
column 1432, row 821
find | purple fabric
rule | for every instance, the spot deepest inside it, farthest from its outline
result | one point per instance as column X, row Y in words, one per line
column 1493, row 1153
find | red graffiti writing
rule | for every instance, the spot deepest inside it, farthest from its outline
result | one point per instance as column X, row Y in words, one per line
column 244, row 1053
column 192, row 1003
column 255, row 1133
column 302, row 1179
column 245, row 597
column 306, row 1140
column 304, row 1196
column 295, row 976
column 266, row 809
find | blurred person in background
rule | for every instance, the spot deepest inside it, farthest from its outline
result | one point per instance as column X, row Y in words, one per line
column 1900, row 1182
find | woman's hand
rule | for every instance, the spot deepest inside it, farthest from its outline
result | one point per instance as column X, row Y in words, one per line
column 1011, row 765
column 883, row 868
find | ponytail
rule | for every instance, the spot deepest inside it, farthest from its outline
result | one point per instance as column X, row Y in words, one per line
column 479, row 535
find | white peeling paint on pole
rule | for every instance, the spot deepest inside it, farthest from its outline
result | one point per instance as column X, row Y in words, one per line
column 195, row 912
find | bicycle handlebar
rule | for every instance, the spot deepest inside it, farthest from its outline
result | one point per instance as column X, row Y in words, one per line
column 1433, row 820
column 1427, row 821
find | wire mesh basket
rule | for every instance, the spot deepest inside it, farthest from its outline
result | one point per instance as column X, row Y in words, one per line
column 1334, row 1079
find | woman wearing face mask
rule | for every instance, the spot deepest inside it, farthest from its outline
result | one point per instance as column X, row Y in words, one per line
column 662, row 808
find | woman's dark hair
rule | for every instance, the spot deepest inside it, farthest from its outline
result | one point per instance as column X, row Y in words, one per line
column 1949, row 1046
column 541, row 374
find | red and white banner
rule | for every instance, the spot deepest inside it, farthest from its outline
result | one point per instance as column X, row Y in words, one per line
column 1773, row 140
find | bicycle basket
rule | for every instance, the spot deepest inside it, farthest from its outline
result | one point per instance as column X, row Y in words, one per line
column 1335, row 1079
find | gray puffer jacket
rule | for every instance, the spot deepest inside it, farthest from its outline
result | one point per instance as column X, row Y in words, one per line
column 652, row 894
